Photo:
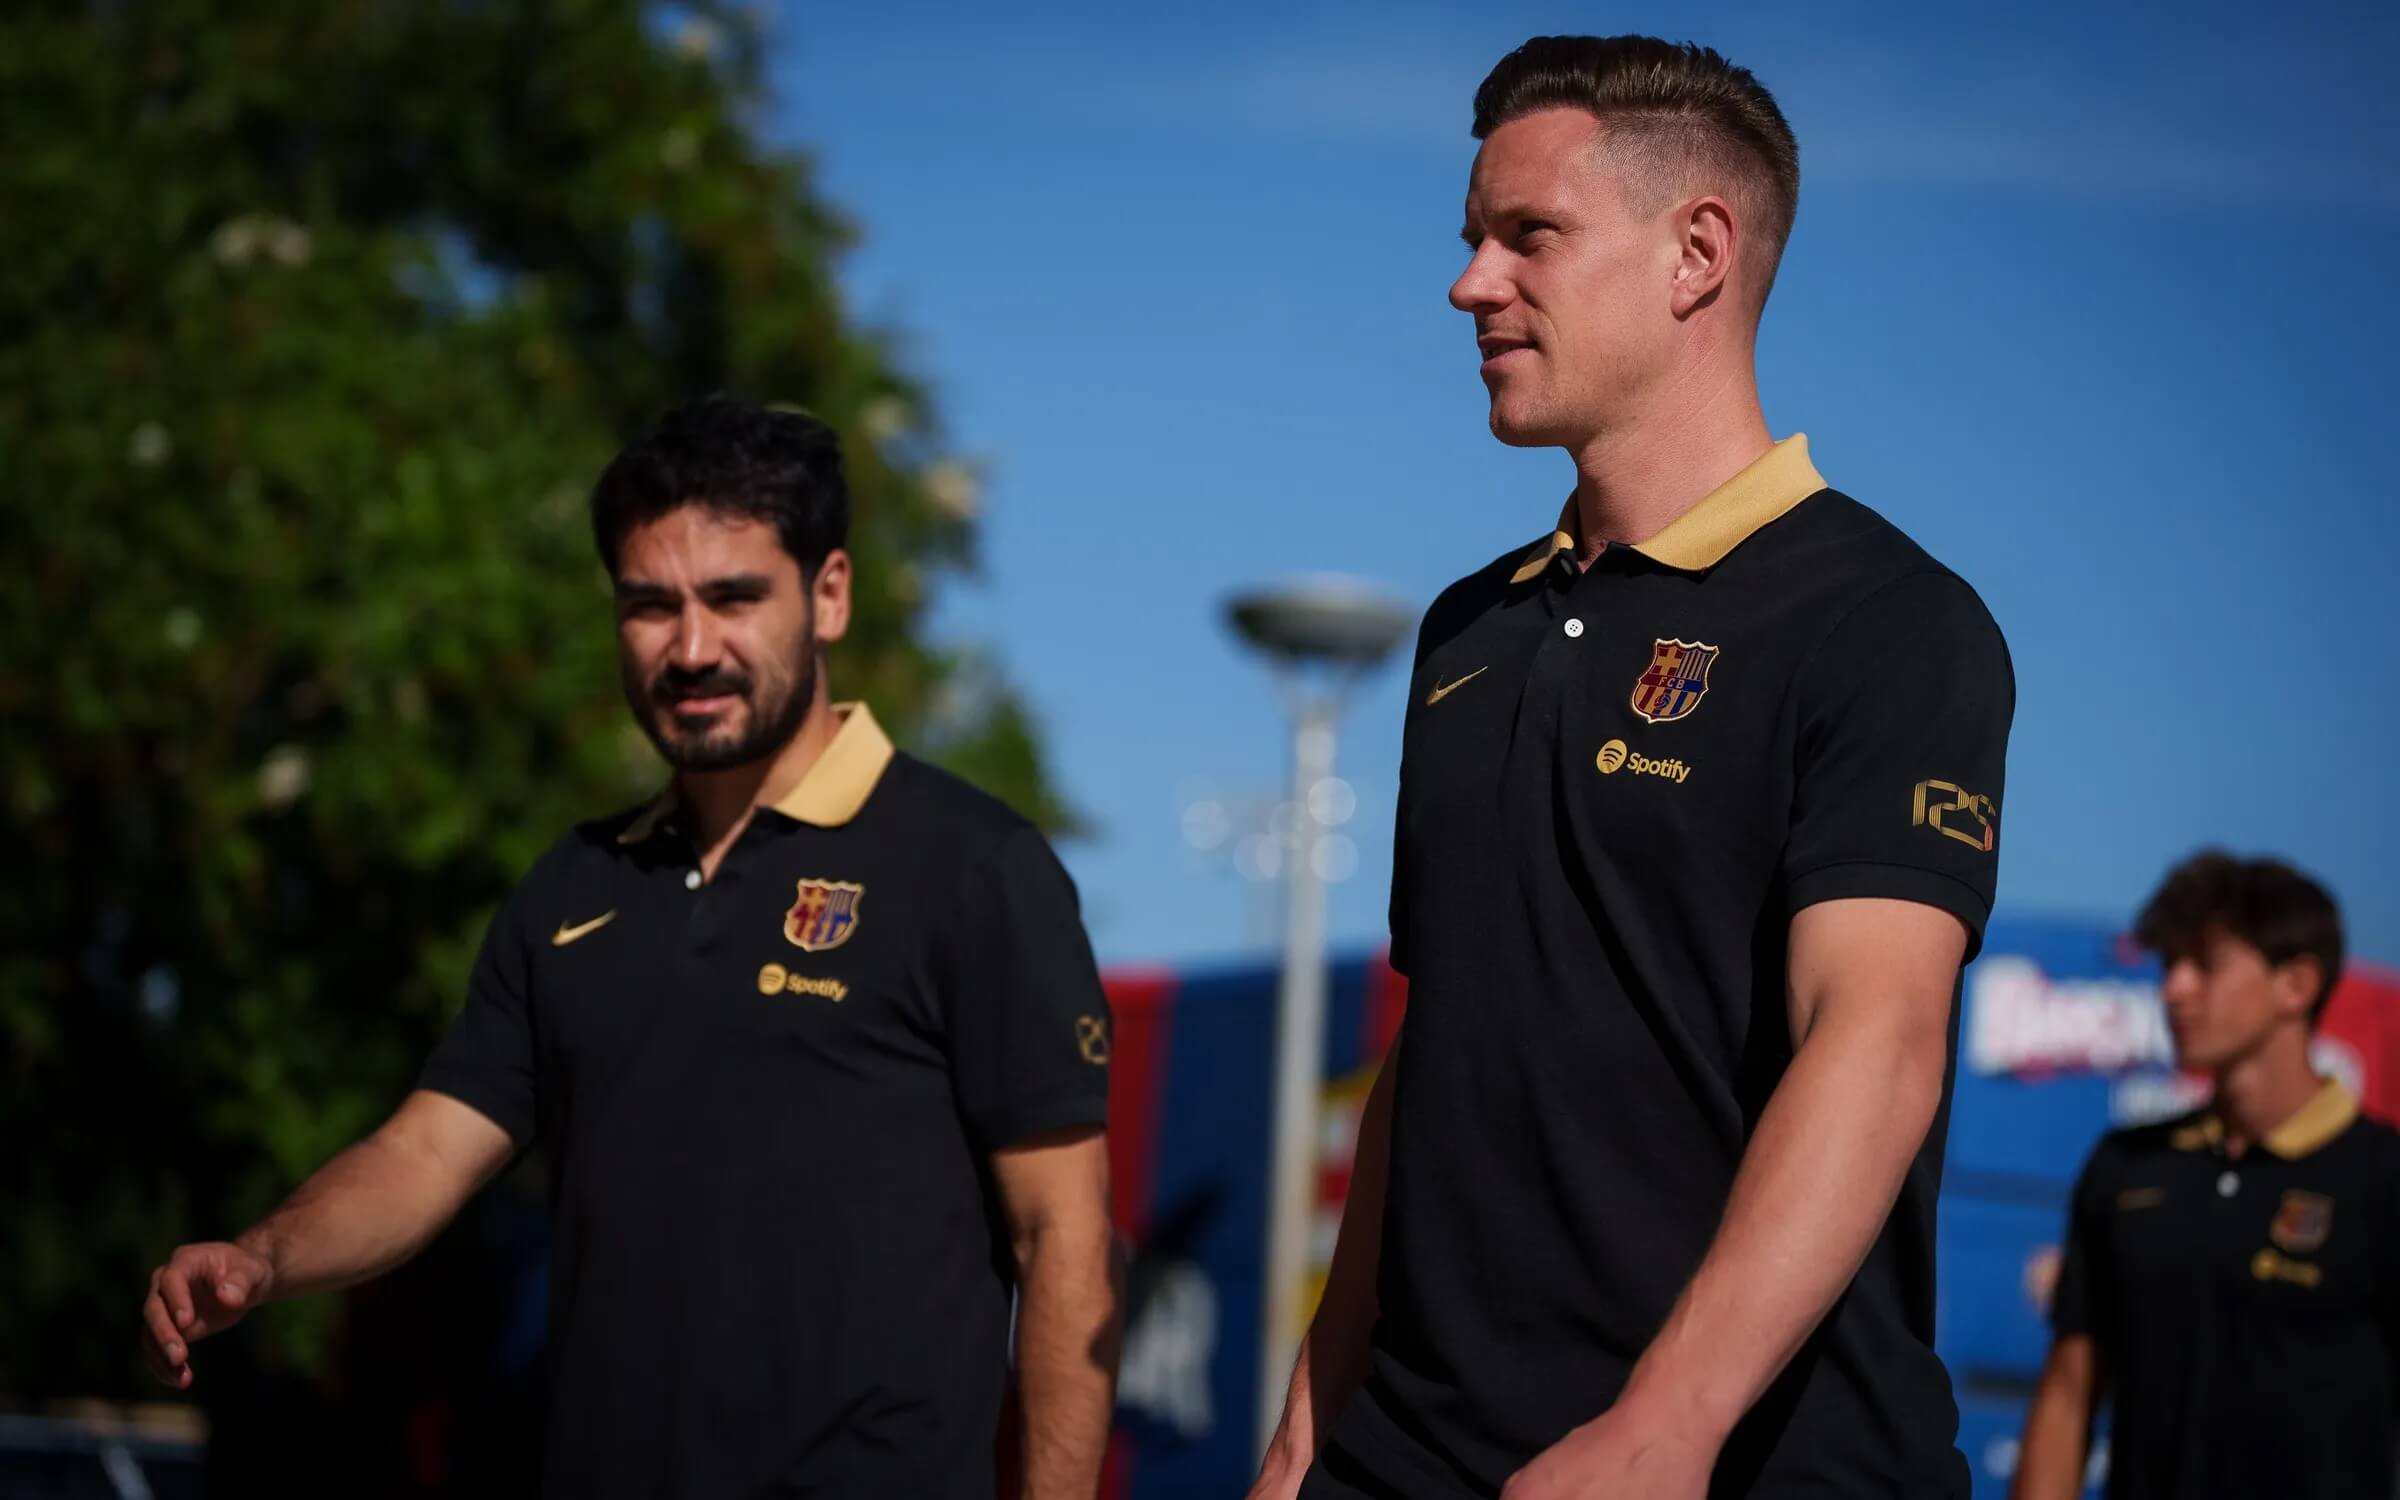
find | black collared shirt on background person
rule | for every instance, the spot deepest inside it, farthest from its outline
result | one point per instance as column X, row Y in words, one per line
column 2245, row 1309
column 1618, row 785
column 768, row 1100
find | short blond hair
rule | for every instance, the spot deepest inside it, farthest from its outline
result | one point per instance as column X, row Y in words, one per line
column 1676, row 115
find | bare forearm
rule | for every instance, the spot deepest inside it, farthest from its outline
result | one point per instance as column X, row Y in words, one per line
column 2050, row 1462
column 1814, row 1189
column 1333, row 1355
column 1069, row 1330
column 2058, row 1423
column 373, row 1206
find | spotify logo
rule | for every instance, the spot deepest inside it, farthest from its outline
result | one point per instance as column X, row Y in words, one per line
column 1614, row 757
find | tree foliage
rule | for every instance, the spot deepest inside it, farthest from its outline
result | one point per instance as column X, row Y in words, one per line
column 320, row 317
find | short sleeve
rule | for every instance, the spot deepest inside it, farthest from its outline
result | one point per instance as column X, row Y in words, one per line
column 1902, row 736
column 2081, row 1274
column 1028, row 1024
column 486, row 1059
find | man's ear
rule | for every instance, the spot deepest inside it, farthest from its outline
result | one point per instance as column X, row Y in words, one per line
column 829, row 597
column 2297, row 981
column 1711, row 236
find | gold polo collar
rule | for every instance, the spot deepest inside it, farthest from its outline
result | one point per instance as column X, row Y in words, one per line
column 2326, row 1115
column 828, row 795
column 1726, row 516
column 845, row 774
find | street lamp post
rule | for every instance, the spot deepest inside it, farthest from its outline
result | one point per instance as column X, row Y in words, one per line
column 1321, row 635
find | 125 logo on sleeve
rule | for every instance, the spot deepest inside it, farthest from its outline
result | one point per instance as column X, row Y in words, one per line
column 1956, row 813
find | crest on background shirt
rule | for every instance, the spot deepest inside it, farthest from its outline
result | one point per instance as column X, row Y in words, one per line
column 2303, row 1222
column 1675, row 681
column 824, row 914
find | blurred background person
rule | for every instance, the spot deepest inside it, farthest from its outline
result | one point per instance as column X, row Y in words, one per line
column 807, row 1040
column 2231, row 1285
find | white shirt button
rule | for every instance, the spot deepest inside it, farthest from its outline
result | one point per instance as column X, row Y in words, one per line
column 1574, row 629
column 691, row 880
column 2228, row 1185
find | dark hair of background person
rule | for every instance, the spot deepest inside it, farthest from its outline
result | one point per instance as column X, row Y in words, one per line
column 1679, row 118
column 737, row 459
column 2263, row 902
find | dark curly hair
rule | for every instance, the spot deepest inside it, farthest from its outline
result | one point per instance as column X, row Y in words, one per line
column 2264, row 902
column 735, row 458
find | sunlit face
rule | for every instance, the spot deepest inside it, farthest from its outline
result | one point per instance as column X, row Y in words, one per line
column 1567, row 284
column 2224, row 1000
column 717, row 636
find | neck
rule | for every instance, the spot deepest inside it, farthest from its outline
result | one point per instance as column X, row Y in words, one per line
column 1697, row 431
column 720, row 803
column 2262, row 1090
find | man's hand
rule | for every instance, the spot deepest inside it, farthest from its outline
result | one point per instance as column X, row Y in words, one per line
column 359, row 1215
column 1619, row 1455
column 202, row 1289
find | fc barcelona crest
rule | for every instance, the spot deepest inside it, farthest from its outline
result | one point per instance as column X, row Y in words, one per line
column 2303, row 1222
column 824, row 915
column 1674, row 682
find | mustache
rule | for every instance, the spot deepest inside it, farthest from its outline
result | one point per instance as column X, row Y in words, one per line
column 675, row 684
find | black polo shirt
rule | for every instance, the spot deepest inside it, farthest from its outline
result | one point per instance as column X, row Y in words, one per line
column 769, row 1101
column 1618, row 785
column 2246, row 1310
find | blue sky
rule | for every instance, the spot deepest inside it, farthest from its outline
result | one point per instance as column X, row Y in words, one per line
column 2101, row 311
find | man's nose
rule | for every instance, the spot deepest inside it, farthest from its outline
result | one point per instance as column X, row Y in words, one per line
column 1481, row 287
column 697, row 643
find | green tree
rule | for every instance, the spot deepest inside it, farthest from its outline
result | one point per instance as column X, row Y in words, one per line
column 320, row 317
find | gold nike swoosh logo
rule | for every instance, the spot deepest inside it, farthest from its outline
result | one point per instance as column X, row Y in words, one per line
column 1439, row 693
column 566, row 934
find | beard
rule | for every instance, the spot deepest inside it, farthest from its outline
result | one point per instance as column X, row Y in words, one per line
column 772, row 716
